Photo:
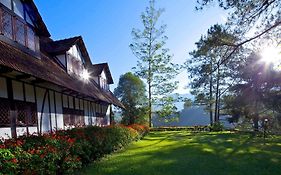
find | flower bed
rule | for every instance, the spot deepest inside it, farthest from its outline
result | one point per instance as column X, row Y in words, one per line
column 65, row 151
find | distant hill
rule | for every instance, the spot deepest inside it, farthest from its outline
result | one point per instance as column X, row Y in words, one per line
column 192, row 116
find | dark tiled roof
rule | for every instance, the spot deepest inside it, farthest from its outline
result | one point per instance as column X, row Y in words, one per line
column 48, row 70
column 97, row 69
column 41, row 26
column 113, row 99
column 60, row 46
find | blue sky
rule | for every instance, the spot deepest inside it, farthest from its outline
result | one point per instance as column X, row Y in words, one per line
column 106, row 26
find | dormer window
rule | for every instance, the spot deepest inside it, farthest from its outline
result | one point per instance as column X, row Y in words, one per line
column 18, row 8
column 13, row 25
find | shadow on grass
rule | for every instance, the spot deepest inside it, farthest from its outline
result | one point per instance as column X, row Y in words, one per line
column 176, row 153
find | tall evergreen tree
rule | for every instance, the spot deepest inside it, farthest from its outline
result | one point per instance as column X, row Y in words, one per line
column 206, row 72
column 131, row 92
column 154, row 62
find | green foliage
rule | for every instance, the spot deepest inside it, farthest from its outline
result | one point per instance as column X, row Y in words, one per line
column 255, row 95
column 131, row 92
column 249, row 14
column 63, row 152
column 209, row 77
column 217, row 126
column 154, row 61
column 8, row 162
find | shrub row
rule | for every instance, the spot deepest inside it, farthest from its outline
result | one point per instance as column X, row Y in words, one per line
column 191, row 128
column 64, row 152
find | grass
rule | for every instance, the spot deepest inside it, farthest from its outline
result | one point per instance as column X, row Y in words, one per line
column 183, row 153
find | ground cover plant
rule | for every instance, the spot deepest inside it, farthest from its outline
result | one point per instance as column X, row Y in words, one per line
column 65, row 151
column 184, row 152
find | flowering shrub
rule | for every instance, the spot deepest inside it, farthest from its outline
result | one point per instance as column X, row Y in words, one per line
column 141, row 129
column 63, row 152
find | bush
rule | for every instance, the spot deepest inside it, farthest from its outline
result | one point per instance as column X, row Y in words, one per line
column 217, row 127
column 63, row 152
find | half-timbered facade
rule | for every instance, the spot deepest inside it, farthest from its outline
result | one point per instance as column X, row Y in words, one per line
column 47, row 85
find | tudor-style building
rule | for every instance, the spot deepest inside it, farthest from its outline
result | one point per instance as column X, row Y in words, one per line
column 45, row 84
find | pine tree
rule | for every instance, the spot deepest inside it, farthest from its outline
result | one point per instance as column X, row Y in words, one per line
column 154, row 62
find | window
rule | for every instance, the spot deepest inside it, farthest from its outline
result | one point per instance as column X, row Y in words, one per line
column 30, row 39
column 18, row 8
column 7, row 24
column 73, row 117
column 4, row 113
column 19, row 32
column 26, row 113
column 7, row 3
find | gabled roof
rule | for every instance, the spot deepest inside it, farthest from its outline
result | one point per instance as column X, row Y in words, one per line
column 46, row 69
column 61, row 46
column 40, row 27
column 97, row 69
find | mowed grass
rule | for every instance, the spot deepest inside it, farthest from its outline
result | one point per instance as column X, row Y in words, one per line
column 183, row 153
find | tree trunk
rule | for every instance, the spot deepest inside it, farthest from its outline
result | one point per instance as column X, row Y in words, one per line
column 256, row 122
column 217, row 94
column 219, row 102
column 211, row 98
column 149, row 96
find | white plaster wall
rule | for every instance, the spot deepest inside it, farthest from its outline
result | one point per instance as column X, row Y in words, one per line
column 23, row 131
column 5, row 133
column 108, row 115
column 75, row 51
column 86, row 109
column 17, row 90
column 3, row 88
column 32, row 130
column 59, row 110
column 29, row 93
column 103, row 75
column 62, row 59
column 53, row 112
column 45, row 115
column 94, row 121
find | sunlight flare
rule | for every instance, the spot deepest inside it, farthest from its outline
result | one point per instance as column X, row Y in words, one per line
column 272, row 55
column 85, row 75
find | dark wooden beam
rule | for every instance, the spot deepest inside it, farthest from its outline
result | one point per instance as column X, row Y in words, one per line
column 38, row 80
column 4, row 70
column 22, row 77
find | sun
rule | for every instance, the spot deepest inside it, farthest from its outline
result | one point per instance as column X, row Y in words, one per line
column 272, row 55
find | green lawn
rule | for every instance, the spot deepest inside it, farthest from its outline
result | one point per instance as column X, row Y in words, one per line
column 182, row 153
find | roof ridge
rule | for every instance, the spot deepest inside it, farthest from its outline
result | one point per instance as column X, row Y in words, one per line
column 74, row 37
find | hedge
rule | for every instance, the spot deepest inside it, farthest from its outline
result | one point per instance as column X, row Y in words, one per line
column 65, row 151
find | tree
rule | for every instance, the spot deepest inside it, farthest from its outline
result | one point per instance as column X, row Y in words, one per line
column 154, row 63
column 250, row 20
column 205, row 70
column 255, row 95
column 131, row 91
